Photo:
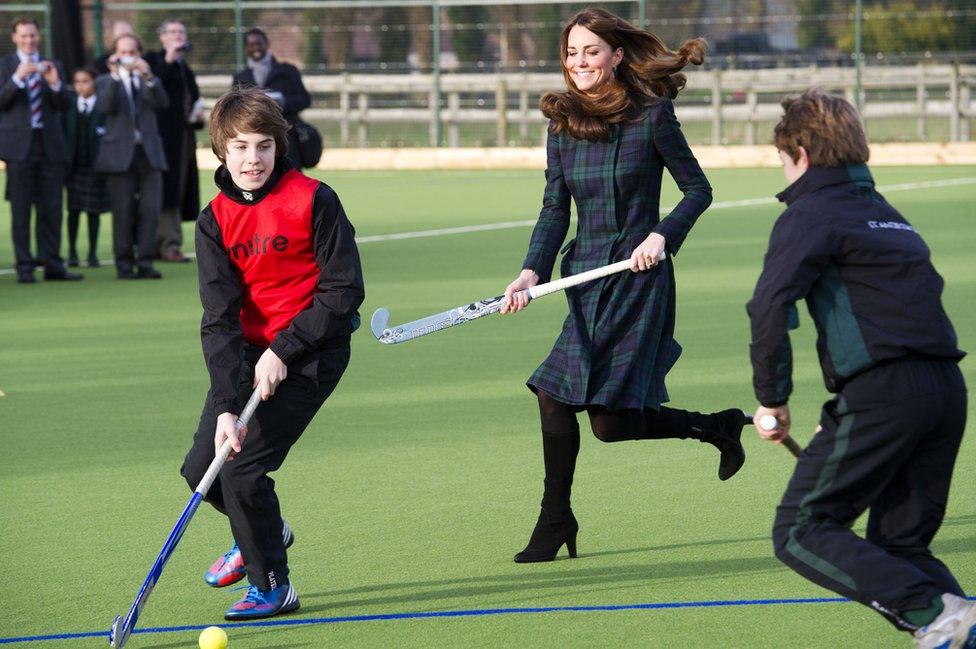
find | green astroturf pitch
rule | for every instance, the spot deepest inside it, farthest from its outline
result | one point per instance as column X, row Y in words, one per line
column 421, row 477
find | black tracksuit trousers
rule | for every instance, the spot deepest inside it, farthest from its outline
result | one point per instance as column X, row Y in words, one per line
column 244, row 492
column 888, row 444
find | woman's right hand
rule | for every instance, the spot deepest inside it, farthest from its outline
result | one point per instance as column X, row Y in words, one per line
column 515, row 298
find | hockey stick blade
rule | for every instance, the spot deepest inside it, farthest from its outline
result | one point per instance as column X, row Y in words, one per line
column 381, row 318
column 450, row 318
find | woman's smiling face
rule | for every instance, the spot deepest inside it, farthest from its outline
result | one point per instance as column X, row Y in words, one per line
column 589, row 59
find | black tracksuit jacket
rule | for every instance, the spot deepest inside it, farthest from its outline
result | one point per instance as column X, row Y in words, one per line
column 865, row 274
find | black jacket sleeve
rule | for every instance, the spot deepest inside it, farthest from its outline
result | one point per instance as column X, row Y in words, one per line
column 56, row 99
column 340, row 289
column 220, row 330
column 8, row 87
column 800, row 247
column 295, row 95
column 108, row 89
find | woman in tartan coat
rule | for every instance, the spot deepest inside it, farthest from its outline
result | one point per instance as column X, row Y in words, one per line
column 611, row 135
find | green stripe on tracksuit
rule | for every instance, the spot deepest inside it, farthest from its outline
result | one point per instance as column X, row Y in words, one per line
column 888, row 445
column 827, row 476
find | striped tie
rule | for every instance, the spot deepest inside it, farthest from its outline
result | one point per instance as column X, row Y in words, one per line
column 34, row 95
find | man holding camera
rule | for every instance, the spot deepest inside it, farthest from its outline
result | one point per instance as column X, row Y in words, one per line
column 32, row 144
column 177, row 125
column 131, row 156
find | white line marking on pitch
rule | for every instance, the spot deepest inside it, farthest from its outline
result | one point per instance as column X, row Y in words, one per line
column 745, row 202
column 506, row 225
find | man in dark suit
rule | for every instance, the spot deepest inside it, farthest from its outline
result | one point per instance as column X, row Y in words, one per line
column 131, row 155
column 177, row 125
column 281, row 81
column 33, row 146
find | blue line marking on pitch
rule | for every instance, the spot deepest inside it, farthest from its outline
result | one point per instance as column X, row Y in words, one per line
column 481, row 612
column 478, row 612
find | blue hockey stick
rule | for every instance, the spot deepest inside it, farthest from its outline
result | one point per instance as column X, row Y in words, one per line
column 121, row 631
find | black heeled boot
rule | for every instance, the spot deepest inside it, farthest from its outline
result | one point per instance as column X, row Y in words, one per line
column 723, row 430
column 551, row 532
column 560, row 445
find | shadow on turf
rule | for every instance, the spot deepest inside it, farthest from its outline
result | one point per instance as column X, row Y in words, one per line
column 674, row 546
column 968, row 519
column 571, row 579
column 582, row 579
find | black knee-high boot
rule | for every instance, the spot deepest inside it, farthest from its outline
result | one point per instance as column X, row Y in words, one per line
column 720, row 429
column 560, row 446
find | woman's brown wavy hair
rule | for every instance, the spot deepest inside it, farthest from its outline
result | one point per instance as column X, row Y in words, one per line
column 648, row 71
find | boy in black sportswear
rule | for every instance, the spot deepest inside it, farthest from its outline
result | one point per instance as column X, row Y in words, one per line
column 888, row 440
column 280, row 283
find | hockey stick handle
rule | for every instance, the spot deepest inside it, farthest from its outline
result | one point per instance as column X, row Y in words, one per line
column 218, row 462
column 769, row 422
column 574, row 280
column 580, row 278
column 791, row 446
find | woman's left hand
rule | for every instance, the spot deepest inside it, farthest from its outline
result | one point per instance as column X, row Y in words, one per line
column 648, row 253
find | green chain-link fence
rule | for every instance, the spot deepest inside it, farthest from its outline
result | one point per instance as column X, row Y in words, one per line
column 419, row 72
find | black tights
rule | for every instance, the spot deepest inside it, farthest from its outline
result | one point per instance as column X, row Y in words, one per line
column 561, row 438
column 94, row 219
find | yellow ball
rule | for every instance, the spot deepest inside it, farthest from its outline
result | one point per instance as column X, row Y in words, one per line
column 213, row 637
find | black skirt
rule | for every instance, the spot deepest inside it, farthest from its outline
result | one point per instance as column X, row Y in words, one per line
column 87, row 191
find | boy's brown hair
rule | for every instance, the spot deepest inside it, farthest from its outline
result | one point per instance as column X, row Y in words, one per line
column 826, row 126
column 246, row 109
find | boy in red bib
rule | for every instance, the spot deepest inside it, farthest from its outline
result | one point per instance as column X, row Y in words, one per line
column 280, row 283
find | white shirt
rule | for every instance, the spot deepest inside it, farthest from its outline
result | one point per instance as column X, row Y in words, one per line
column 128, row 80
column 86, row 105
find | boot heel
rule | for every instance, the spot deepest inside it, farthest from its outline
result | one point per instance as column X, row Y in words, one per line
column 571, row 546
column 548, row 537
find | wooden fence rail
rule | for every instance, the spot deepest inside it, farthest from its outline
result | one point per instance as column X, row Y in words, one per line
column 716, row 97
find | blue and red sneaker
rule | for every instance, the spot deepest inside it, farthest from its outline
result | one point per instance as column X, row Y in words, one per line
column 264, row 603
column 230, row 569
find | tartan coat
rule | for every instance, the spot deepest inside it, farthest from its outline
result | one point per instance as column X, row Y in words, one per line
column 617, row 343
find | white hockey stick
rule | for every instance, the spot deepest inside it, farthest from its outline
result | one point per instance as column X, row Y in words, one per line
column 459, row 315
